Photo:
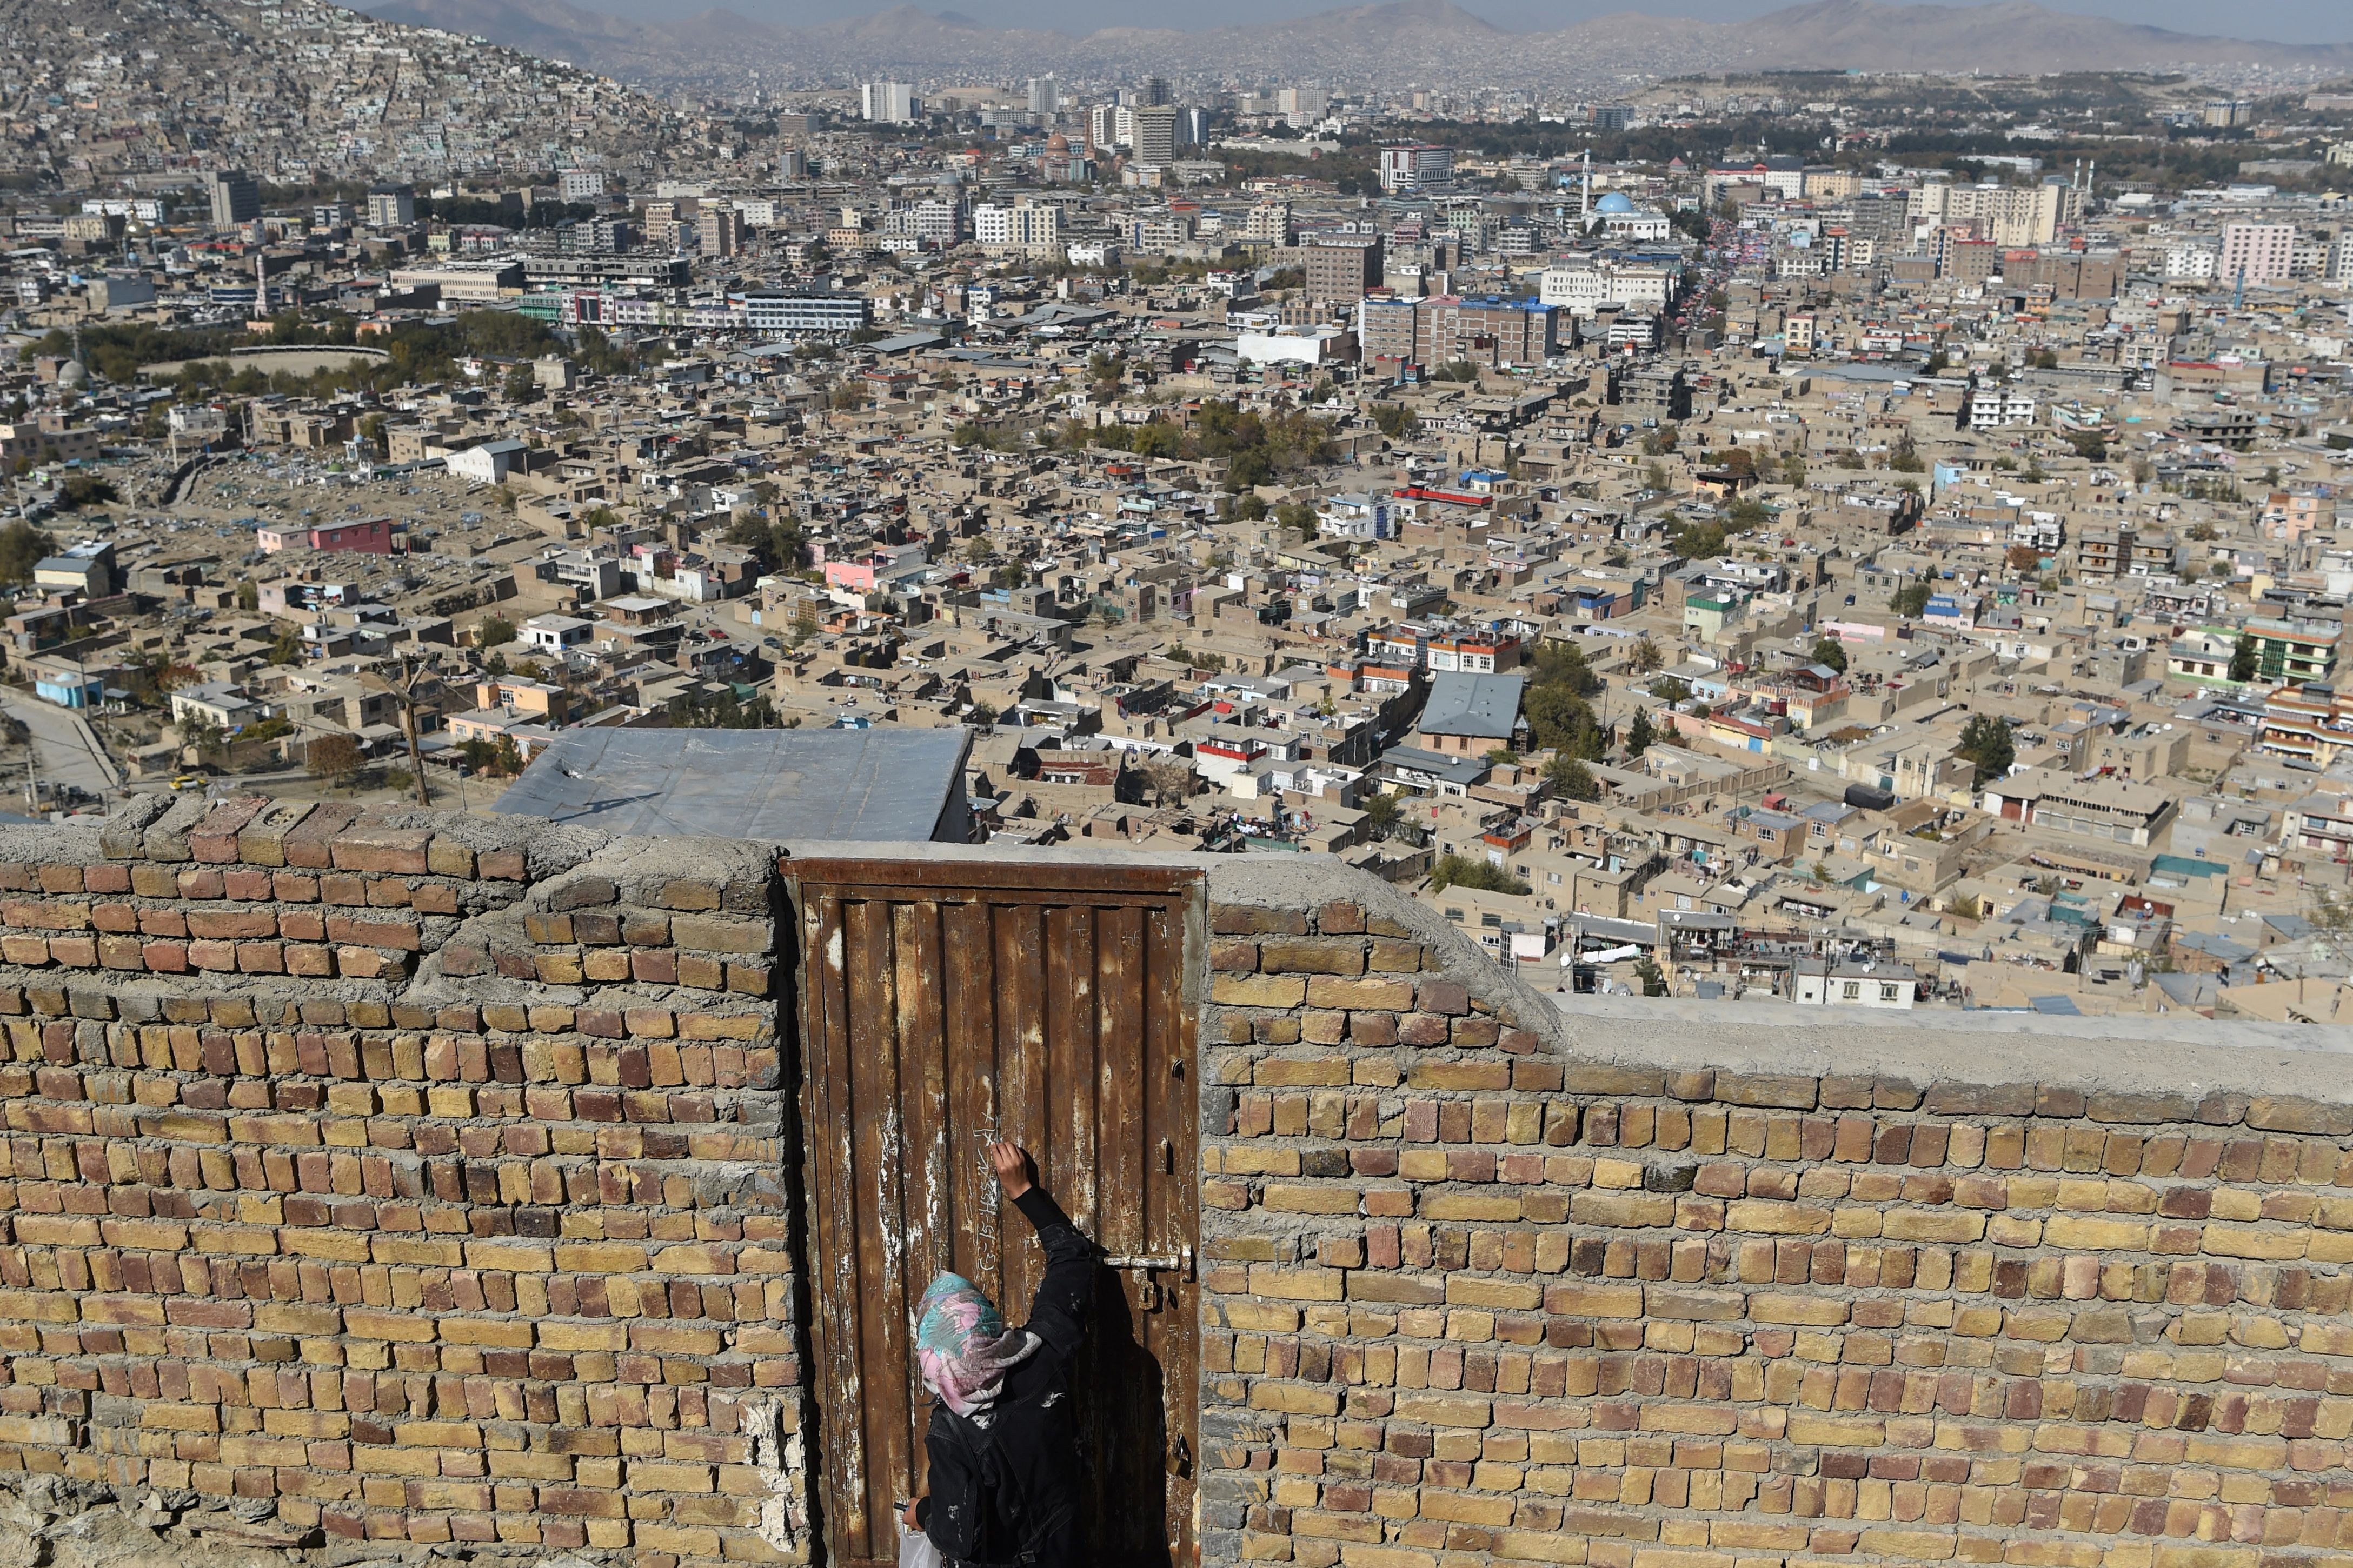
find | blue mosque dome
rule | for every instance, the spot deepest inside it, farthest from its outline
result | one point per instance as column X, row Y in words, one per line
column 1615, row 201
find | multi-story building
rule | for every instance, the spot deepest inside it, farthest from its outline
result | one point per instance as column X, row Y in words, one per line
column 887, row 103
column 1997, row 407
column 1341, row 268
column 719, row 228
column 1450, row 328
column 1410, row 166
column 2257, row 253
column 1025, row 229
column 1154, row 134
column 235, row 197
column 580, row 185
column 776, row 311
column 2008, row 215
column 391, row 207
column 1389, row 330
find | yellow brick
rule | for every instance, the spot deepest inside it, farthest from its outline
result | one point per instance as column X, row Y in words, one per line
column 1289, row 1199
column 1295, row 1398
column 1506, row 1295
column 1771, row 1219
column 504, row 1336
column 1933, row 1225
column 2236, row 1241
column 437, row 1435
column 1469, row 1205
column 1834, row 1432
column 510, row 1257
column 1297, row 1284
column 1444, row 1409
column 661, row 1478
column 368, row 1324
column 1257, row 990
column 1927, row 1545
column 1811, row 1312
column 2097, row 1235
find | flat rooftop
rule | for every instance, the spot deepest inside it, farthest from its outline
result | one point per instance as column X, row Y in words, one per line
column 850, row 784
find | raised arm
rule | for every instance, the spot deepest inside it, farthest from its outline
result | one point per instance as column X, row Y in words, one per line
column 1059, row 1313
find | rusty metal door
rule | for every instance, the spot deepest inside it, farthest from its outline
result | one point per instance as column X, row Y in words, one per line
column 943, row 1004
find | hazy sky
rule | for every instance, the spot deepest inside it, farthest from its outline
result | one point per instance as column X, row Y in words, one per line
column 2286, row 21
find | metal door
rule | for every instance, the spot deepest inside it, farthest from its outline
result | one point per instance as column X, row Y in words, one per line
column 1052, row 1005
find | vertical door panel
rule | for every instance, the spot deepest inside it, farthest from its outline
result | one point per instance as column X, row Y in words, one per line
column 1049, row 1004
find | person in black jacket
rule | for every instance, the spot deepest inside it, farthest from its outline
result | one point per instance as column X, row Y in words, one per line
column 1003, row 1445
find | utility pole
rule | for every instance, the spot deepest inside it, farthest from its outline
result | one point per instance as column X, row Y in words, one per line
column 406, row 691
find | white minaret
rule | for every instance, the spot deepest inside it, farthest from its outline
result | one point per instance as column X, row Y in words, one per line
column 1585, row 201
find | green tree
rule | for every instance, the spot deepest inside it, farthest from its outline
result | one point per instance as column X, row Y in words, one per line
column 1644, row 657
column 1653, row 979
column 493, row 631
column 1639, row 734
column 22, row 548
column 1831, row 652
column 509, row 757
column 1986, row 743
column 1698, row 539
column 80, row 490
column 1912, row 599
column 2245, row 658
column 1382, row 814
column 1572, row 780
column 1464, row 871
column 248, row 596
column 1298, row 517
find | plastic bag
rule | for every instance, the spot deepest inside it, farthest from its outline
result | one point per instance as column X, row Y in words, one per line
column 915, row 1549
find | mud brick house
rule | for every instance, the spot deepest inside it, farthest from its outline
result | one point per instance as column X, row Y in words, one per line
column 378, row 1182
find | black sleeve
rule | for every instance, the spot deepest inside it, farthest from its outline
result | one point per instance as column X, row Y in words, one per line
column 1065, row 1296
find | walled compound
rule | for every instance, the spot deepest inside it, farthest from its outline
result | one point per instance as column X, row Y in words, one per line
column 379, row 1183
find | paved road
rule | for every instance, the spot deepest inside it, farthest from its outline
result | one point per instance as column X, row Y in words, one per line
column 66, row 749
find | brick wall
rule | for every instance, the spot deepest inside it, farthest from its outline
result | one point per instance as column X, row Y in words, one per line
column 1473, row 1295
column 419, row 1179
column 408, row 1178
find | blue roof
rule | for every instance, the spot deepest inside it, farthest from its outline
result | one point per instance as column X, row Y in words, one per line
column 1615, row 201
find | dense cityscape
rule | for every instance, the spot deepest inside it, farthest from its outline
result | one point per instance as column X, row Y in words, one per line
column 1849, row 540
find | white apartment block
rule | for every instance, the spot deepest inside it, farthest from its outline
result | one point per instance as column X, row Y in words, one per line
column 1025, row 230
column 2189, row 263
column 2257, row 253
column 1580, row 291
column 888, row 102
column 2009, row 215
column 1998, row 407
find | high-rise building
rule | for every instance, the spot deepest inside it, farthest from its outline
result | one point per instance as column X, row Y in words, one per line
column 1302, row 104
column 887, row 103
column 580, row 185
column 1410, row 166
column 2257, row 253
column 391, row 207
column 1152, row 92
column 235, row 197
column 720, row 227
column 1045, row 95
column 1155, row 135
column 1102, row 127
column 1340, row 269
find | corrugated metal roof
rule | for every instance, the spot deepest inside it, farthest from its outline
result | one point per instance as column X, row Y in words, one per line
column 848, row 784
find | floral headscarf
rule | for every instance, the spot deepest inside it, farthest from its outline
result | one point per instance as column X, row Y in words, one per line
column 963, row 1347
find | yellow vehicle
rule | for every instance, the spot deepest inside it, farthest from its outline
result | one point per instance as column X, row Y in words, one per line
column 190, row 781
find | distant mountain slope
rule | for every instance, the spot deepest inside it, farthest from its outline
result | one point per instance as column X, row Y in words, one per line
column 1433, row 41
column 298, row 90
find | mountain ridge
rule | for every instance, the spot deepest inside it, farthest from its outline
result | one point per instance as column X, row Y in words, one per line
column 1428, row 41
